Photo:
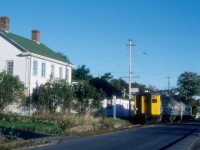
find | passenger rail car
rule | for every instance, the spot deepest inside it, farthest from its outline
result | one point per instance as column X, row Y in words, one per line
column 157, row 107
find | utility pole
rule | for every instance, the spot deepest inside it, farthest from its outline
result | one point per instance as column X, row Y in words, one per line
column 168, row 85
column 130, row 72
column 114, row 104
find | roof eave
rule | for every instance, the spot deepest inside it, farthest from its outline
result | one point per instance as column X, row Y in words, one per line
column 13, row 42
column 47, row 58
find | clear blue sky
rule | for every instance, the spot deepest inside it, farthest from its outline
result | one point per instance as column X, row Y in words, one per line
column 94, row 33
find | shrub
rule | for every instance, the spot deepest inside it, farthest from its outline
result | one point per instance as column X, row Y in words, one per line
column 64, row 124
column 107, row 123
column 11, row 89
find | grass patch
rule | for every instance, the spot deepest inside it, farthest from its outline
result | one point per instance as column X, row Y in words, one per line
column 43, row 128
column 57, row 124
column 22, row 125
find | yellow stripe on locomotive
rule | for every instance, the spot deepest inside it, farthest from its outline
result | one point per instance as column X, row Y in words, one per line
column 157, row 107
column 147, row 103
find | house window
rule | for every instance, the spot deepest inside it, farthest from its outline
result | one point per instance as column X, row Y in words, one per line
column 52, row 71
column 43, row 69
column 10, row 67
column 35, row 68
column 67, row 74
column 60, row 73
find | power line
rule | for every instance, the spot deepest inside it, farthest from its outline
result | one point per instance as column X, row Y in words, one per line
column 108, row 61
column 131, row 77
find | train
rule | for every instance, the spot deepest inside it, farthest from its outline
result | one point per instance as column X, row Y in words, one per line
column 157, row 107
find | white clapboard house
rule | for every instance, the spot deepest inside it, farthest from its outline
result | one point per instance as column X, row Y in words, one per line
column 29, row 59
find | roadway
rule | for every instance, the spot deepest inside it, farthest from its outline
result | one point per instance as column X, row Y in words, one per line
column 176, row 136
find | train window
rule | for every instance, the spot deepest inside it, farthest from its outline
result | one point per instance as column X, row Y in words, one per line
column 154, row 100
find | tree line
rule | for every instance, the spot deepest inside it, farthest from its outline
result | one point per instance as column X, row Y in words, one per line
column 81, row 96
column 59, row 95
column 82, row 73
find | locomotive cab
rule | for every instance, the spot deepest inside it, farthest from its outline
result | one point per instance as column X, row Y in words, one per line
column 147, row 106
column 156, row 107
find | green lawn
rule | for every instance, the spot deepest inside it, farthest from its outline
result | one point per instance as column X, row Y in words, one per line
column 44, row 128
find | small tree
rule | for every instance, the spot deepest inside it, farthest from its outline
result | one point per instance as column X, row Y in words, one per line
column 11, row 89
column 98, row 96
column 35, row 99
column 53, row 94
column 82, row 73
column 66, row 96
column 188, row 84
column 47, row 98
column 87, row 98
column 84, row 94
column 96, row 104
column 107, row 77
column 120, row 84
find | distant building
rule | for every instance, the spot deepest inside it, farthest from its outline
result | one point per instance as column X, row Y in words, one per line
column 114, row 100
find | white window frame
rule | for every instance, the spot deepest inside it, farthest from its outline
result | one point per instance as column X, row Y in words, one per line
column 43, row 69
column 8, row 70
column 35, row 67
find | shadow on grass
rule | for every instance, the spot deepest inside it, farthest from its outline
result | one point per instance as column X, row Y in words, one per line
column 26, row 135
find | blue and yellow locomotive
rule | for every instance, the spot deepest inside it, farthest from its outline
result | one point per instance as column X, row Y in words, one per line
column 159, row 107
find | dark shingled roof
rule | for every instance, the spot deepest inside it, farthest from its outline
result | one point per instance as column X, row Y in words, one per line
column 105, row 86
column 33, row 47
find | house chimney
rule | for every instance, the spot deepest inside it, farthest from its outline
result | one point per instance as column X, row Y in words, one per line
column 36, row 36
column 4, row 23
